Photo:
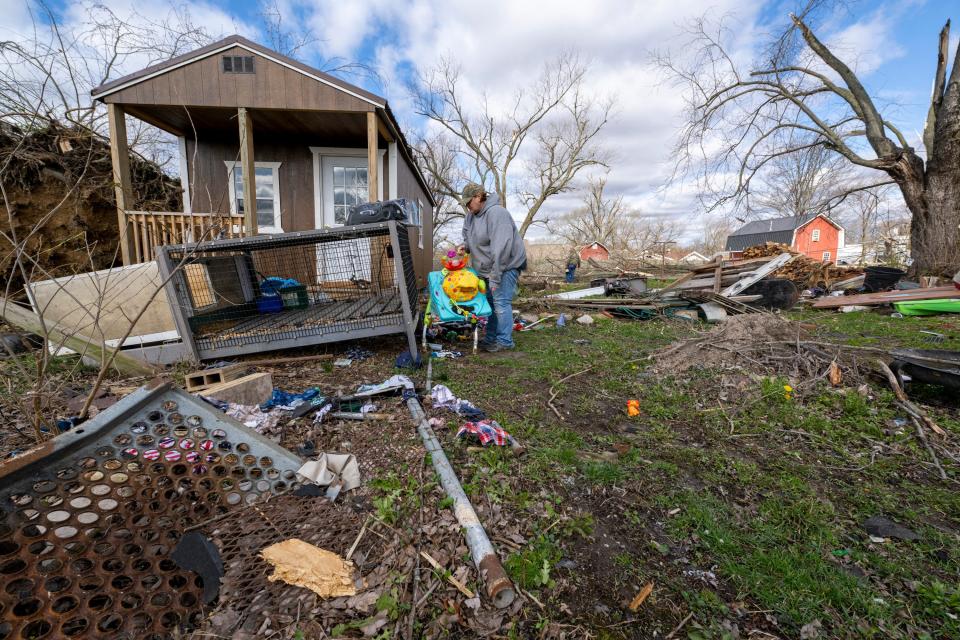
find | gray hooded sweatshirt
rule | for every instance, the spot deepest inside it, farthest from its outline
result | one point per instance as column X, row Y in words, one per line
column 493, row 241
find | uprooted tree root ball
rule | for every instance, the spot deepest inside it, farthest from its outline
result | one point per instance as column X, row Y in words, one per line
column 757, row 343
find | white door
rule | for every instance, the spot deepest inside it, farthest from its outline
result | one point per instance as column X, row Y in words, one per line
column 345, row 184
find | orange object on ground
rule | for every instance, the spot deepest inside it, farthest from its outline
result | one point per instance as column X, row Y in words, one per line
column 633, row 408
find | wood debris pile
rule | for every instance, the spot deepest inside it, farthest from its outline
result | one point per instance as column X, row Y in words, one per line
column 803, row 271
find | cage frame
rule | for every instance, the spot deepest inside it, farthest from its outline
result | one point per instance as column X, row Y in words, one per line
column 407, row 288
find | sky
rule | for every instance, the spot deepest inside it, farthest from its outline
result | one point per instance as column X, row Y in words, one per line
column 502, row 44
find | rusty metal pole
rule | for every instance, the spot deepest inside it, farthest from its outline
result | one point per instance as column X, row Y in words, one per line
column 499, row 588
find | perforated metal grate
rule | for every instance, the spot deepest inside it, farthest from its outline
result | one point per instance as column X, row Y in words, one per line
column 90, row 518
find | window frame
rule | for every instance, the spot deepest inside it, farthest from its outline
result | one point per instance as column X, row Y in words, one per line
column 277, row 226
column 826, row 256
column 815, row 235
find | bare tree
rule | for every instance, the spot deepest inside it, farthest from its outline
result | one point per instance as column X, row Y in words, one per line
column 753, row 115
column 555, row 114
column 437, row 156
column 714, row 236
column 599, row 219
column 804, row 183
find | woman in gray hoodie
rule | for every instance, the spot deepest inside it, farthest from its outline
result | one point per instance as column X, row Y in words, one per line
column 497, row 253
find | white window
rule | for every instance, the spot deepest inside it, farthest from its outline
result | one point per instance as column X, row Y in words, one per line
column 815, row 236
column 350, row 187
column 826, row 256
column 267, row 185
column 340, row 181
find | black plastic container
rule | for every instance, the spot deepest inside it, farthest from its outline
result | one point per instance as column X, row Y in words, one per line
column 881, row 278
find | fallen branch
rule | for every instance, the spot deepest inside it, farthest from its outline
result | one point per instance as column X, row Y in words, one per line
column 554, row 391
column 680, row 626
column 462, row 588
column 904, row 401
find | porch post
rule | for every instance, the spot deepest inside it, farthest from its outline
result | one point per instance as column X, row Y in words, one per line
column 120, row 158
column 372, row 156
column 249, row 172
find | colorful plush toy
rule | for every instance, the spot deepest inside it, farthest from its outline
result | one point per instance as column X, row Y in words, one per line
column 460, row 283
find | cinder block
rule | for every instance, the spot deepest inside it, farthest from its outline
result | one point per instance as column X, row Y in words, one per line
column 252, row 389
column 205, row 378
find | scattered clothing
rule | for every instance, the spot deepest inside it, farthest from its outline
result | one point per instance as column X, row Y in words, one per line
column 322, row 413
column 266, row 423
column 290, row 401
column 446, row 354
column 390, row 385
column 407, row 361
column 437, row 423
column 443, row 398
column 486, row 431
column 358, row 354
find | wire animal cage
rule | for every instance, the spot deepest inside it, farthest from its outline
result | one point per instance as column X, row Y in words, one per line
column 246, row 295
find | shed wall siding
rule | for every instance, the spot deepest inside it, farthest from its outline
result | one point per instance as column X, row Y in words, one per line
column 272, row 86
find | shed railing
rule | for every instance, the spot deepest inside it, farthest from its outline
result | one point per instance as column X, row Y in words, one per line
column 150, row 229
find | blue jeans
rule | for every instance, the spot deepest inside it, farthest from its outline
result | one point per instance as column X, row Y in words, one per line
column 571, row 269
column 500, row 323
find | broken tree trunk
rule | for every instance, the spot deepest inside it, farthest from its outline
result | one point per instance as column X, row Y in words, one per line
column 29, row 321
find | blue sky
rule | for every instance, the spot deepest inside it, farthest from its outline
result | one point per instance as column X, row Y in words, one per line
column 501, row 45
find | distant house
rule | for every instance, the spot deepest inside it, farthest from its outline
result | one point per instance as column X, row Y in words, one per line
column 815, row 236
column 694, row 257
column 594, row 250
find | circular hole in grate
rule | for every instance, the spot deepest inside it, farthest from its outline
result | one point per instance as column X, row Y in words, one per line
column 87, row 517
column 167, row 565
column 131, row 601
column 100, row 602
column 20, row 586
column 35, row 629
column 180, row 432
column 136, row 467
column 121, row 582
column 243, row 447
column 75, row 548
column 214, row 498
column 123, row 534
column 161, row 599
column 245, row 485
column 33, row 531
column 131, row 549
column 50, row 565
column 103, row 548
column 112, row 464
column 219, row 434
column 56, row 584
column 65, row 532
column 51, row 500
column 225, row 445
column 58, row 516
column 194, row 421
column 233, row 498
column 80, row 503
column 87, row 463
column 206, row 484
column 74, row 626
column 26, row 608
column 12, row 566
column 9, row 547
column 138, row 427
column 175, row 418
column 188, row 600
column 150, row 536
column 149, row 583
column 288, row 474
column 123, row 439
column 107, row 504
column 81, row 566
column 273, row 474
column 44, row 486
column 141, row 621
column 99, row 489
column 125, row 492
column 145, row 440
column 263, row 486
column 250, row 498
column 212, row 458
column 140, row 565
column 161, row 429
column 219, row 471
column 256, row 472
column 21, row 499
column 114, row 519
column 90, row 583
column 119, row 478
column 109, row 622
column 169, row 405
column 65, row 604
column 155, row 416
column 238, row 472
column 200, row 433
column 113, row 565
column 129, row 454
column 227, row 484
column 178, row 582
column 177, row 469
column 280, row 486
column 105, row 452
column 67, row 474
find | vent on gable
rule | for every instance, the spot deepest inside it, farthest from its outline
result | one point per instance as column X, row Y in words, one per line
column 238, row 64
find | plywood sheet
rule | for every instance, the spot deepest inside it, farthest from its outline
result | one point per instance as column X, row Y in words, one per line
column 101, row 304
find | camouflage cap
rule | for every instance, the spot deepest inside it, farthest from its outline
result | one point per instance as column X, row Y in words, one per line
column 472, row 189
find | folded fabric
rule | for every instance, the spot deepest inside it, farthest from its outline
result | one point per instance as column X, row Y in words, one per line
column 331, row 468
column 443, row 398
column 486, row 431
column 253, row 417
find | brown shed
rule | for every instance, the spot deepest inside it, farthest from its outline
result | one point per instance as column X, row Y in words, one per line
column 315, row 144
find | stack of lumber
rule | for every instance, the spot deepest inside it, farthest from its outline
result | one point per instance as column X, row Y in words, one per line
column 728, row 276
column 887, row 297
column 803, row 271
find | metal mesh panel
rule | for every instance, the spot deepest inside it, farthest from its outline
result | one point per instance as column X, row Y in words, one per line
column 91, row 517
column 273, row 292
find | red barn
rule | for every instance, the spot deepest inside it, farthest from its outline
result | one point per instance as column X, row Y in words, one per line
column 594, row 250
column 816, row 236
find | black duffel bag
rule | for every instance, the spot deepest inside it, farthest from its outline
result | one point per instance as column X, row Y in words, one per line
column 370, row 212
